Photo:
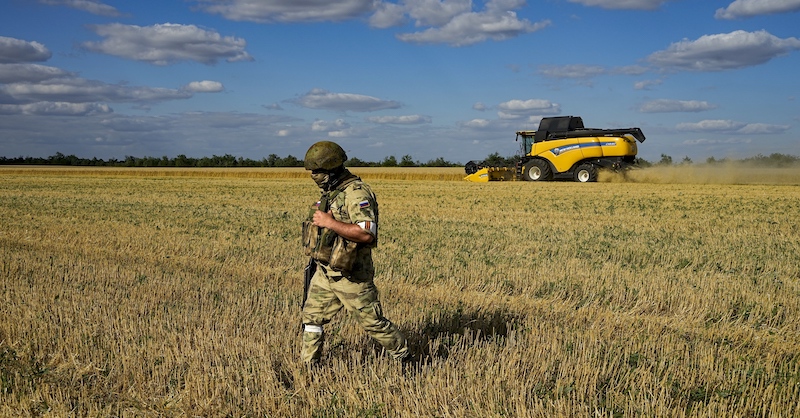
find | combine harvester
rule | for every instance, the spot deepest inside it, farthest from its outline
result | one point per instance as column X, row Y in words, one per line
column 561, row 149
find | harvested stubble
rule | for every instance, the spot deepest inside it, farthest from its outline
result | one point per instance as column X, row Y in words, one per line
column 177, row 295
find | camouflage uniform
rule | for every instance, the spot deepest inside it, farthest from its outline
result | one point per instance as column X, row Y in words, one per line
column 330, row 290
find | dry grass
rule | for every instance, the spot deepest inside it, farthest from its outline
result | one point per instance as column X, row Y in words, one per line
column 415, row 173
column 132, row 293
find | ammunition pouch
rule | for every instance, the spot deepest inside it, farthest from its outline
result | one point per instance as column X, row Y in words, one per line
column 328, row 247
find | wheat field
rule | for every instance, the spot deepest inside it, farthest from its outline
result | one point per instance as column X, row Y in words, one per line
column 161, row 293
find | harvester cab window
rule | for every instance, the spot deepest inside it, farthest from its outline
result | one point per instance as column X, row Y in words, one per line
column 527, row 144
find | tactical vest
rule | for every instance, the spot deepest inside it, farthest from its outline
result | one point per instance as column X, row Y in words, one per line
column 324, row 245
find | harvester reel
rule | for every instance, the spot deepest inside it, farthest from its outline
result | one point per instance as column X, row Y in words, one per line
column 472, row 167
column 536, row 170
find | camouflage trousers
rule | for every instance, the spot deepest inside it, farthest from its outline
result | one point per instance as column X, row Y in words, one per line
column 328, row 293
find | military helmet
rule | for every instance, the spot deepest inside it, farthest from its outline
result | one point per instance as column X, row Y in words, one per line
column 324, row 155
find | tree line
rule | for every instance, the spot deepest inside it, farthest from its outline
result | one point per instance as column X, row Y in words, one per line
column 226, row 160
column 273, row 160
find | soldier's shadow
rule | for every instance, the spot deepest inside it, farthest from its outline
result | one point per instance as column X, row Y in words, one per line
column 449, row 329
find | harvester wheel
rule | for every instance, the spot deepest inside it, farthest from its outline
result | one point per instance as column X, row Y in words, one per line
column 536, row 170
column 586, row 173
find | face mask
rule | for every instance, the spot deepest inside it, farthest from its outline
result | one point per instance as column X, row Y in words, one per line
column 322, row 179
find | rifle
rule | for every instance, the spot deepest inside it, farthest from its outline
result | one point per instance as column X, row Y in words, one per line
column 311, row 267
column 308, row 273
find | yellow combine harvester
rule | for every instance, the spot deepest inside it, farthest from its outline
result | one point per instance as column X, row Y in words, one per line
column 563, row 148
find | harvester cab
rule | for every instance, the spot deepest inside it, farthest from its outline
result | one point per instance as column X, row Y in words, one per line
column 562, row 148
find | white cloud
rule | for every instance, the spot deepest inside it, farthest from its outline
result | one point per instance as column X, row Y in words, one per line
column 55, row 109
column 733, row 127
column 14, row 50
column 451, row 22
column 339, row 134
column 534, row 120
column 167, row 43
column 288, row 10
column 725, row 51
column 78, row 90
column 436, row 12
column 711, row 125
column 577, row 71
column 29, row 73
column 479, row 106
column 204, row 86
column 32, row 89
column 323, row 99
column 749, row 8
column 135, row 124
column 666, row 105
column 623, row 4
column 706, row 141
column 387, row 15
column 477, row 123
column 400, row 120
column 631, row 70
column 763, row 128
column 328, row 126
column 518, row 109
column 454, row 24
column 91, row 6
column 646, row 84
column 196, row 134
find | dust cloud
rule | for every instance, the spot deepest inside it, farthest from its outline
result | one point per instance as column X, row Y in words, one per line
column 729, row 173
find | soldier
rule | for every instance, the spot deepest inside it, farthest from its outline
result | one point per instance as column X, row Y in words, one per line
column 339, row 235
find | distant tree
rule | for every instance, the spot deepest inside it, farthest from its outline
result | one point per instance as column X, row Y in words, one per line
column 439, row 162
column 774, row 160
column 356, row 162
column 495, row 160
column 59, row 159
column 389, row 162
column 273, row 160
column 289, row 161
column 226, row 160
column 407, row 161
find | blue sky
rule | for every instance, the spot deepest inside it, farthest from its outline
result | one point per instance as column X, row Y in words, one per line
column 426, row 78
